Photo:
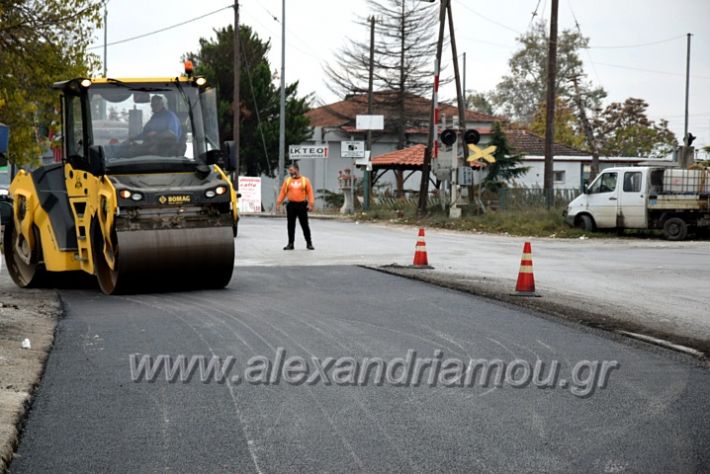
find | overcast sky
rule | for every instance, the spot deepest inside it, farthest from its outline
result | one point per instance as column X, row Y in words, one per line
column 638, row 47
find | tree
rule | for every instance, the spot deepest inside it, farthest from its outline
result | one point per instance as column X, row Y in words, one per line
column 507, row 165
column 566, row 125
column 625, row 130
column 404, row 52
column 520, row 94
column 478, row 102
column 258, row 101
column 41, row 41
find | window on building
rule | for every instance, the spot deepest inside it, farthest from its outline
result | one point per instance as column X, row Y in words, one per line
column 559, row 176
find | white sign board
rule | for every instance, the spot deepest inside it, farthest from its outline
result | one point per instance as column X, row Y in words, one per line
column 352, row 149
column 364, row 161
column 250, row 190
column 370, row 122
column 301, row 152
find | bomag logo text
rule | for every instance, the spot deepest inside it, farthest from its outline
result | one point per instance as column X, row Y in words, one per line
column 178, row 199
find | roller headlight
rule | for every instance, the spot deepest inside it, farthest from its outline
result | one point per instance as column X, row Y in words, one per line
column 218, row 191
column 126, row 194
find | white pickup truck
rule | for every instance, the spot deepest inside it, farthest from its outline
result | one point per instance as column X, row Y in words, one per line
column 645, row 197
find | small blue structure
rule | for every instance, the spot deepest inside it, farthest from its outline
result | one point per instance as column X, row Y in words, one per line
column 4, row 138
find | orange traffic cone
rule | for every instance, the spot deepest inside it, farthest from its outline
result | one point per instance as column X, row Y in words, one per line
column 420, row 256
column 526, row 279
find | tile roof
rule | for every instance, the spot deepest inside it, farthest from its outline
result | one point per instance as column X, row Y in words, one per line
column 530, row 143
column 417, row 108
column 407, row 158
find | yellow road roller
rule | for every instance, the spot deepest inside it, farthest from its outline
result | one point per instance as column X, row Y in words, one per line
column 142, row 197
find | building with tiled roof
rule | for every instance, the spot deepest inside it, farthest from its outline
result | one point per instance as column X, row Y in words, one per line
column 571, row 168
column 337, row 122
column 529, row 143
column 341, row 115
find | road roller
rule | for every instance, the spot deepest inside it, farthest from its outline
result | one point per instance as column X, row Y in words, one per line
column 142, row 198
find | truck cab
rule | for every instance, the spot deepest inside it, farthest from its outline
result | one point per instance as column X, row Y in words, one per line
column 617, row 198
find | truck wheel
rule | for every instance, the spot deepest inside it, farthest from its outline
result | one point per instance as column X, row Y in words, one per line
column 675, row 229
column 585, row 222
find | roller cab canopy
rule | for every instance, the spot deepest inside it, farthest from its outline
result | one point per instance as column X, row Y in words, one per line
column 141, row 125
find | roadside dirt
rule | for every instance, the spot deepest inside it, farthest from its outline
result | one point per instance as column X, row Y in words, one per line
column 596, row 314
column 30, row 314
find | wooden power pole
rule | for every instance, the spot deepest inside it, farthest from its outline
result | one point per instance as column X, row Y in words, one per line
column 237, row 80
column 426, row 166
column 549, row 181
column 368, row 174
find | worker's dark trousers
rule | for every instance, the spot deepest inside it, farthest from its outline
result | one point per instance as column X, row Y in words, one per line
column 297, row 210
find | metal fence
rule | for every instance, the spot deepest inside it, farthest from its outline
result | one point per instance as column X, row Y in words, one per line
column 401, row 204
column 503, row 199
column 527, row 198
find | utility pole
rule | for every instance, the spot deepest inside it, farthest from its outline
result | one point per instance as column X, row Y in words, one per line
column 366, row 187
column 426, row 166
column 282, row 113
column 463, row 87
column 454, row 210
column 687, row 92
column 236, row 103
column 549, row 182
column 102, row 103
column 105, row 38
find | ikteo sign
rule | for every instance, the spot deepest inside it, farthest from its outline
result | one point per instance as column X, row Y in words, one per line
column 300, row 152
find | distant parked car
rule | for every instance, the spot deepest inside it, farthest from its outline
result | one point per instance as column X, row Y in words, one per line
column 4, row 180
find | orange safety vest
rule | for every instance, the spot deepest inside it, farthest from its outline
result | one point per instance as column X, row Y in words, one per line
column 305, row 188
column 303, row 183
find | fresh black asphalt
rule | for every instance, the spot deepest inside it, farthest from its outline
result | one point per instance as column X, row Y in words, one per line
column 88, row 416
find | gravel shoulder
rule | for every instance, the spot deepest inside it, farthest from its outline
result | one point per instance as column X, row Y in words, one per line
column 30, row 314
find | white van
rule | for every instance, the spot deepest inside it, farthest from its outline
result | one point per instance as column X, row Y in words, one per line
column 675, row 200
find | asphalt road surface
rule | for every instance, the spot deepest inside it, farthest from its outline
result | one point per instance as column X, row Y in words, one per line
column 648, row 282
column 89, row 416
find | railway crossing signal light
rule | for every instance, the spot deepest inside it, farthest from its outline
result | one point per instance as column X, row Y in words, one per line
column 471, row 137
column 448, row 137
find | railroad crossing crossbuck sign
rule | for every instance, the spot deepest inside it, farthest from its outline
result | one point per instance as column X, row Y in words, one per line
column 478, row 153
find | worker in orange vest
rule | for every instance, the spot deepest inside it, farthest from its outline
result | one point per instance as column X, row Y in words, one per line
column 299, row 192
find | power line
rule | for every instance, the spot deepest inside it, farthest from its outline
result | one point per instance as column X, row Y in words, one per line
column 291, row 44
column 161, row 30
column 491, row 20
column 476, row 40
column 256, row 105
column 679, row 116
column 653, row 71
column 639, row 45
column 579, row 30
column 534, row 14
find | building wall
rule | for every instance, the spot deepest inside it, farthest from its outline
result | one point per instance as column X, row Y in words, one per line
column 570, row 172
column 568, row 175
